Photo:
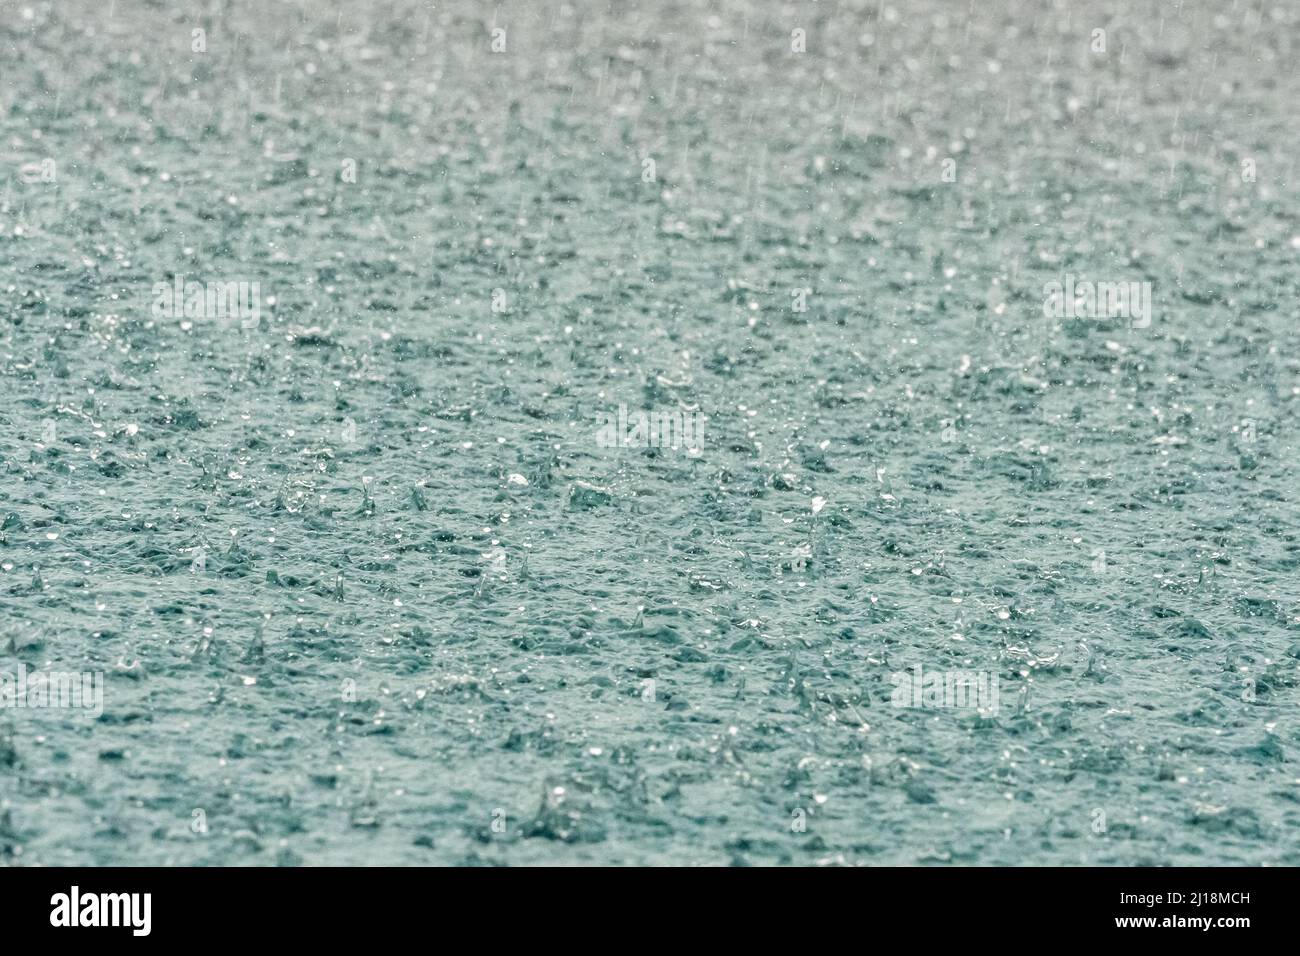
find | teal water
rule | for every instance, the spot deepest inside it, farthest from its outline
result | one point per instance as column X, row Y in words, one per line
column 366, row 587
